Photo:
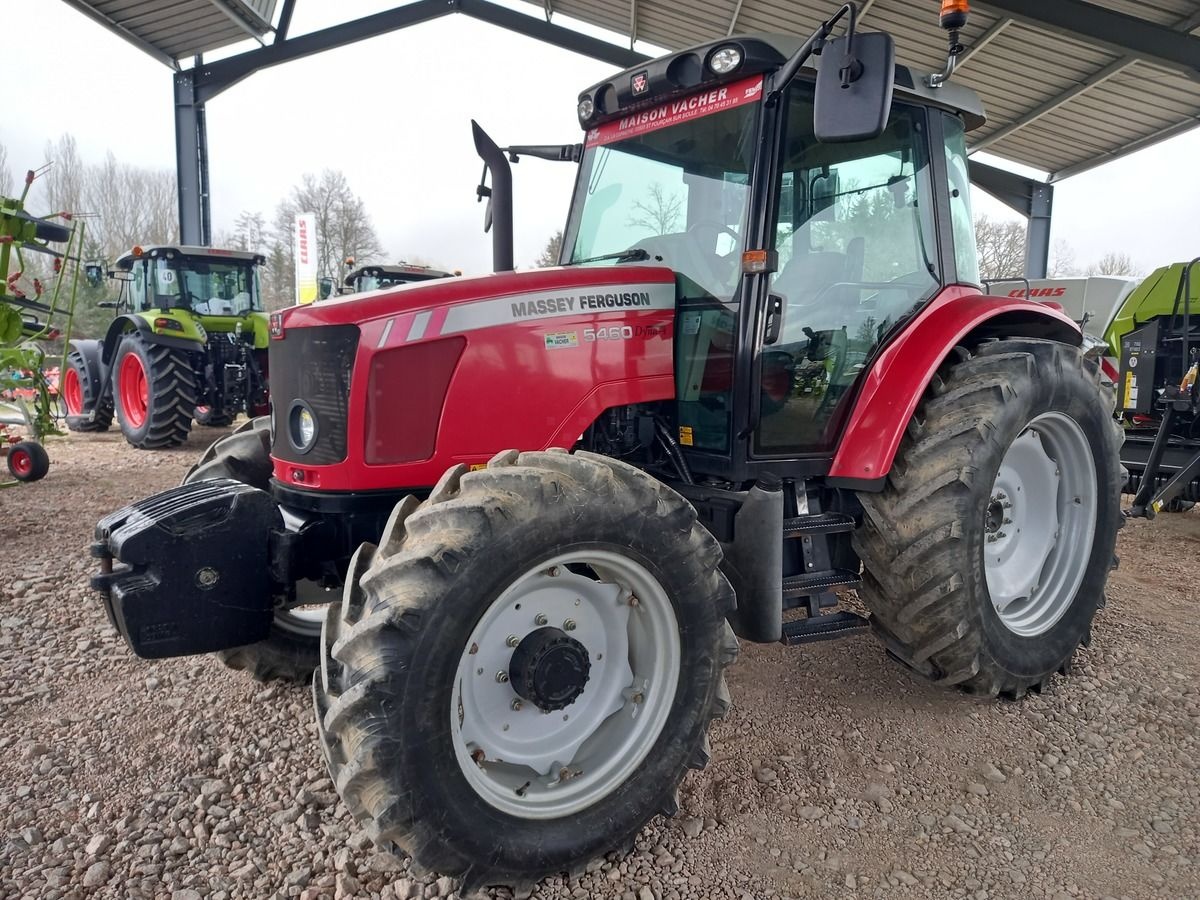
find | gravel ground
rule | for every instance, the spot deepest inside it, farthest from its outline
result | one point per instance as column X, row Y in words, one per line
column 836, row 774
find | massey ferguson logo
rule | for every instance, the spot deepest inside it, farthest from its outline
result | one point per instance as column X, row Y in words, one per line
column 640, row 83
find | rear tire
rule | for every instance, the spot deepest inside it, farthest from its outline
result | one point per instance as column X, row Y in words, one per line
column 155, row 389
column 79, row 391
column 292, row 650
column 28, row 461
column 394, row 709
column 957, row 589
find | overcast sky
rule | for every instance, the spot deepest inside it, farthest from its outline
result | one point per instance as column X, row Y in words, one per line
column 394, row 114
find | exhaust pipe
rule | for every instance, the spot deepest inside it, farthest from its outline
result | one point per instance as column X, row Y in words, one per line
column 499, row 215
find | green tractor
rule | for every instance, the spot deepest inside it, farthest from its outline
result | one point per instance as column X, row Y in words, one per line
column 189, row 342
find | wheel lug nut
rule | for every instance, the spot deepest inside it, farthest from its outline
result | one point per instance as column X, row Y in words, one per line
column 513, row 640
column 633, row 600
column 540, row 619
column 515, row 705
column 637, row 698
column 569, row 625
column 502, row 676
column 1008, row 521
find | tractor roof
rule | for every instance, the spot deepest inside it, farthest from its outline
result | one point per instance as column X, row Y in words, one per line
column 686, row 71
column 406, row 270
column 125, row 261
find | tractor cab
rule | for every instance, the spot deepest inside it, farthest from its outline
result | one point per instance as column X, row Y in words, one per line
column 372, row 278
column 796, row 253
column 201, row 280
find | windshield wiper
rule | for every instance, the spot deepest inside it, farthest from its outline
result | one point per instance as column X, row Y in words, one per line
column 635, row 253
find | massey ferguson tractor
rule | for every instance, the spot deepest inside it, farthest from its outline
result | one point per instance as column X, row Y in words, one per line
column 517, row 523
column 189, row 341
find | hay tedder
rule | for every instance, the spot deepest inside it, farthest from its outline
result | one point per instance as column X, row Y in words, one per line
column 540, row 508
column 32, row 314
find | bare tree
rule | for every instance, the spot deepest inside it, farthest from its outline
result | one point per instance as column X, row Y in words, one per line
column 1113, row 263
column 343, row 226
column 550, row 253
column 1062, row 260
column 63, row 183
column 659, row 213
column 1001, row 248
column 6, row 179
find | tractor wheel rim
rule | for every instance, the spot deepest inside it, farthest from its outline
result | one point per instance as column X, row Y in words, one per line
column 22, row 462
column 72, row 392
column 1039, row 524
column 535, row 763
column 135, row 390
column 307, row 618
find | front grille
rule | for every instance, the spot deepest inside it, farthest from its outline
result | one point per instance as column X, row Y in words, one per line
column 313, row 365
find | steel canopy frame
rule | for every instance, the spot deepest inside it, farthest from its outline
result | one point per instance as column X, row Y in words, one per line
column 196, row 86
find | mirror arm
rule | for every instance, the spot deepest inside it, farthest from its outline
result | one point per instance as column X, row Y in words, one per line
column 783, row 77
column 552, row 152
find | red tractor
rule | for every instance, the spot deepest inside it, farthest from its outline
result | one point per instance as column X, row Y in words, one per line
column 770, row 362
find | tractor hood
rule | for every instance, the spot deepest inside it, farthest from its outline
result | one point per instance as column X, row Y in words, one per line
column 449, row 306
column 402, row 383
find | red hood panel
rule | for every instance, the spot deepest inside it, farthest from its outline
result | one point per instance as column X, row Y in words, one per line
column 444, row 292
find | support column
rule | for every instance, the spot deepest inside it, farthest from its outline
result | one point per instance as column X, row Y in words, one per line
column 1037, row 232
column 191, row 163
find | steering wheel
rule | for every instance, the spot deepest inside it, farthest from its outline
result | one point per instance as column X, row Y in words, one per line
column 698, row 231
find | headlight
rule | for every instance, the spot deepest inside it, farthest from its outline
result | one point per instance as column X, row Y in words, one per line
column 725, row 60
column 302, row 426
column 586, row 108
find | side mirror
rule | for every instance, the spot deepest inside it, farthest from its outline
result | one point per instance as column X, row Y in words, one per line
column 324, row 288
column 854, row 88
column 94, row 274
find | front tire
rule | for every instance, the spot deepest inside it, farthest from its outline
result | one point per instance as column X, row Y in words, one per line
column 986, row 554
column 292, row 650
column 156, row 393
column 540, row 556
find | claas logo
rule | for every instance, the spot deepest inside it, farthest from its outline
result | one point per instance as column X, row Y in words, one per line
column 1040, row 293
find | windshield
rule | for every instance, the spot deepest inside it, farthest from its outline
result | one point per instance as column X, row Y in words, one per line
column 210, row 287
column 672, row 182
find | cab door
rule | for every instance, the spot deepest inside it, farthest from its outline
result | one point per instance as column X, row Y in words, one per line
column 854, row 231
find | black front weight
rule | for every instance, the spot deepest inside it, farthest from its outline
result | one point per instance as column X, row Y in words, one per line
column 192, row 568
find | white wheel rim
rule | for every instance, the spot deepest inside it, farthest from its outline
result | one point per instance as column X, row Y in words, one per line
column 308, row 618
column 541, row 765
column 1040, row 524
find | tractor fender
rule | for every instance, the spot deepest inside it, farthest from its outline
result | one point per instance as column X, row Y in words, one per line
column 891, row 389
column 123, row 325
column 90, row 350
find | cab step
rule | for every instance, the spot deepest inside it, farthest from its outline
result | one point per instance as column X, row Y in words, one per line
column 818, row 582
column 823, row 628
column 818, row 523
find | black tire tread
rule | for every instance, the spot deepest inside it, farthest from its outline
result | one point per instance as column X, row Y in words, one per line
column 90, row 388
column 419, row 551
column 172, row 397
column 912, row 543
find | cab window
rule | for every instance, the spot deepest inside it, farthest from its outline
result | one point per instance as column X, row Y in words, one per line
column 856, row 248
